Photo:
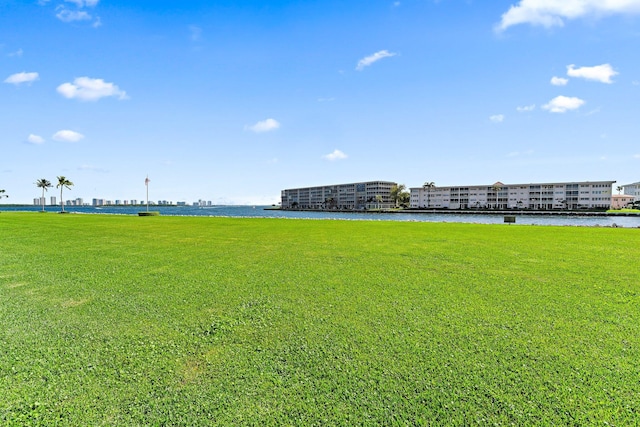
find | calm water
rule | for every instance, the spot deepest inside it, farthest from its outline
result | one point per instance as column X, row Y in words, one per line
column 260, row 212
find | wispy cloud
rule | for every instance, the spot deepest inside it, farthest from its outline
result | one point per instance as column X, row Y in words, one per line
column 35, row 139
column 335, row 155
column 17, row 53
column 66, row 15
column 497, row 118
column 526, row 108
column 600, row 73
column 264, row 126
column 79, row 13
column 23, row 77
column 562, row 104
column 88, row 89
column 559, row 81
column 83, row 3
column 549, row 13
column 67, row 136
column 367, row 61
column 195, row 33
column 520, row 153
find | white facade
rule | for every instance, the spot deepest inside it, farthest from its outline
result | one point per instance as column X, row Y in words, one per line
column 543, row 196
column 354, row 196
column 632, row 190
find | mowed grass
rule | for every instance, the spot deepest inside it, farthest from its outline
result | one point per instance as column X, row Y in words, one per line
column 116, row 320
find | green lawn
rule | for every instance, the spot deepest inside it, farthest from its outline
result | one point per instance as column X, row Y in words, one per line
column 624, row 210
column 117, row 320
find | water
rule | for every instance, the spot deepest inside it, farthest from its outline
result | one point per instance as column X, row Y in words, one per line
column 260, row 212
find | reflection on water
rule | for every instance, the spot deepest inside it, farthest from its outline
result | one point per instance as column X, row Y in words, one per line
column 260, row 212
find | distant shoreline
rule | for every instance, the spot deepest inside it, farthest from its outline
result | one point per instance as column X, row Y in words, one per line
column 472, row 212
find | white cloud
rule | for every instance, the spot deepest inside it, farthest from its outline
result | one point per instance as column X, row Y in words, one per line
column 67, row 136
column 365, row 62
column 559, row 81
column 562, row 104
column 497, row 118
column 83, row 3
column 336, row 155
column 526, row 108
column 23, row 77
column 66, row 15
column 17, row 53
column 35, row 139
column 601, row 73
column 87, row 89
column 550, row 13
column 264, row 126
column 636, row 156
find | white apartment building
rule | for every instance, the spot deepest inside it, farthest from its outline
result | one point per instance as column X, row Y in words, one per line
column 632, row 190
column 353, row 196
column 538, row 196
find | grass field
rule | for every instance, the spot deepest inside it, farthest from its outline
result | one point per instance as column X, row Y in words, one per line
column 116, row 320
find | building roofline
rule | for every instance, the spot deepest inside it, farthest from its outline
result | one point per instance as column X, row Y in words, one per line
column 344, row 183
column 516, row 185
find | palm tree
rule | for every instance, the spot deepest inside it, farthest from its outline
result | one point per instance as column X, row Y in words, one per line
column 619, row 188
column 428, row 186
column 379, row 200
column 45, row 184
column 396, row 193
column 63, row 182
column 496, row 187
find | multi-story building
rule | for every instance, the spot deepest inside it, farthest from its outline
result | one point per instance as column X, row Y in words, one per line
column 354, row 196
column 543, row 196
column 632, row 190
column 53, row 200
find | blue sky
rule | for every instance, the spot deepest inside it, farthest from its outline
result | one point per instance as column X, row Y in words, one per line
column 234, row 101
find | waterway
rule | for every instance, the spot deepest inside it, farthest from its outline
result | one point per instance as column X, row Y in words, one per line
column 261, row 212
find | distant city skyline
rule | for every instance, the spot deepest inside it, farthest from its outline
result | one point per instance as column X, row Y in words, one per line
column 79, row 201
column 234, row 101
